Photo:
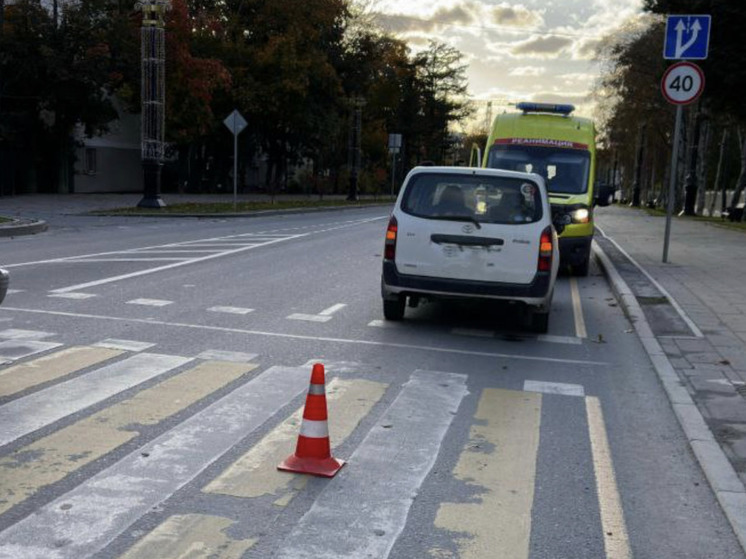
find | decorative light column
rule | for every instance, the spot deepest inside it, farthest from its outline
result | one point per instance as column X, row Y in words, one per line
column 152, row 88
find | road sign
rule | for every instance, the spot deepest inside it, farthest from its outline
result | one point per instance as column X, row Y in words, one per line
column 682, row 83
column 235, row 122
column 687, row 37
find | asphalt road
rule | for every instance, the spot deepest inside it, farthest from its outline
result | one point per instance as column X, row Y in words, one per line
column 155, row 368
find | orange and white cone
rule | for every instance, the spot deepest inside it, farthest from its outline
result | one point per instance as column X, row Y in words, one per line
column 313, row 451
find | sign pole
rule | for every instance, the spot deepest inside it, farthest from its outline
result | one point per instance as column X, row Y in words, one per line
column 235, row 164
column 672, row 181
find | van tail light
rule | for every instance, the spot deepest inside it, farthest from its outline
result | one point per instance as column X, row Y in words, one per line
column 389, row 250
column 545, row 250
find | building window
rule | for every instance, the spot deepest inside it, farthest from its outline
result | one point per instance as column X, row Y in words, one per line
column 90, row 161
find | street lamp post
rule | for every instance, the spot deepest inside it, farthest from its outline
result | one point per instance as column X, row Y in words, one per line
column 153, row 61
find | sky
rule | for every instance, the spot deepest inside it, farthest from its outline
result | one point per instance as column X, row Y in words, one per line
column 532, row 50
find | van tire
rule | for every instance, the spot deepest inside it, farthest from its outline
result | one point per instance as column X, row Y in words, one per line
column 393, row 309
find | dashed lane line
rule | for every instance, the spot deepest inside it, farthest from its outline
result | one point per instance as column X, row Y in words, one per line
column 370, row 343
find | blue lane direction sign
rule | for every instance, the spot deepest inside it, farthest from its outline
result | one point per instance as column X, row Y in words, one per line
column 687, row 37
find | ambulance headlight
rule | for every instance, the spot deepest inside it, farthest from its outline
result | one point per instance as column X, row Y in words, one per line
column 581, row 215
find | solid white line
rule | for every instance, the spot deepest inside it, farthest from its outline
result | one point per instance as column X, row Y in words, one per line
column 310, row 338
column 331, row 310
column 26, row 415
column 616, row 540
column 366, row 518
column 126, row 258
column 577, row 310
column 697, row 332
column 93, row 514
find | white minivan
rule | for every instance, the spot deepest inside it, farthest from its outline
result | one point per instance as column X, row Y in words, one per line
column 465, row 232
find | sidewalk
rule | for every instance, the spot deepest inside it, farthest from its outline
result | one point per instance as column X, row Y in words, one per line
column 690, row 314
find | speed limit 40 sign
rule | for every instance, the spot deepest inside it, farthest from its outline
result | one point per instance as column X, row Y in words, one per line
column 683, row 83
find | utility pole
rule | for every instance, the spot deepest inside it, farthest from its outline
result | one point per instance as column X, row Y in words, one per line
column 153, row 60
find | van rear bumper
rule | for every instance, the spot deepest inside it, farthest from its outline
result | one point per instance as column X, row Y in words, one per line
column 395, row 283
column 574, row 250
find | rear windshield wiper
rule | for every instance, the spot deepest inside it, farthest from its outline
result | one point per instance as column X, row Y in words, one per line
column 468, row 218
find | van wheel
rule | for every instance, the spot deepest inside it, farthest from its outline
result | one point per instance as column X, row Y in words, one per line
column 582, row 268
column 393, row 309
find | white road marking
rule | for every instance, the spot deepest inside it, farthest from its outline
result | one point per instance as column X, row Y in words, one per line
column 129, row 259
column 11, row 350
column 231, row 356
column 152, row 270
column 369, row 343
column 17, row 334
column 26, row 415
column 380, row 323
column 331, row 310
column 231, row 310
column 83, row 521
column 309, row 317
column 77, row 295
column 126, row 345
column 13, row 291
column 150, row 302
column 366, row 518
column 561, row 388
column 577, row 310
column 559, row 339
column 616, row 540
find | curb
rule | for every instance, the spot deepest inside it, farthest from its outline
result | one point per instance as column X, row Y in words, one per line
column 22, row 227
column 719, row 472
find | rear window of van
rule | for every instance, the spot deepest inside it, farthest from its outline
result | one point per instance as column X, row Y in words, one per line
column 487, row 199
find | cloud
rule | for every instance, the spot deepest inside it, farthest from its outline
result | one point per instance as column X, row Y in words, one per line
column 461, row 14
column 549, row 46
column 516, row 16
column 528, row 71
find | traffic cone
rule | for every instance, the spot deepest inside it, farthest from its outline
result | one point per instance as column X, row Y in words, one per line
column 313, row 451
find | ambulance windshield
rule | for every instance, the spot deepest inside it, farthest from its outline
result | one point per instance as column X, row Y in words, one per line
column 565, row 170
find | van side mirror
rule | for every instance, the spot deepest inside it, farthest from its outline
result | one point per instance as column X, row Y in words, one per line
column 603, row 194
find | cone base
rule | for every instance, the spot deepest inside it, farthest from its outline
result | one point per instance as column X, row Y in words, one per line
column 324, row 467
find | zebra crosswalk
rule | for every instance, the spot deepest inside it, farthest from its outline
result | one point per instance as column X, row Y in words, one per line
column 115, row 450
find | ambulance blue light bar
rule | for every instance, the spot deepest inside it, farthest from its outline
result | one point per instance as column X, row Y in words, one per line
column 545, row 108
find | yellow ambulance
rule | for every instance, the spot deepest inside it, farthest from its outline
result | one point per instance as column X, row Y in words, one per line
column 546, row 139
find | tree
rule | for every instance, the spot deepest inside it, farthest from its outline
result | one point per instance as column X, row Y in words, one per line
column 726, row 76
column 57, row 74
